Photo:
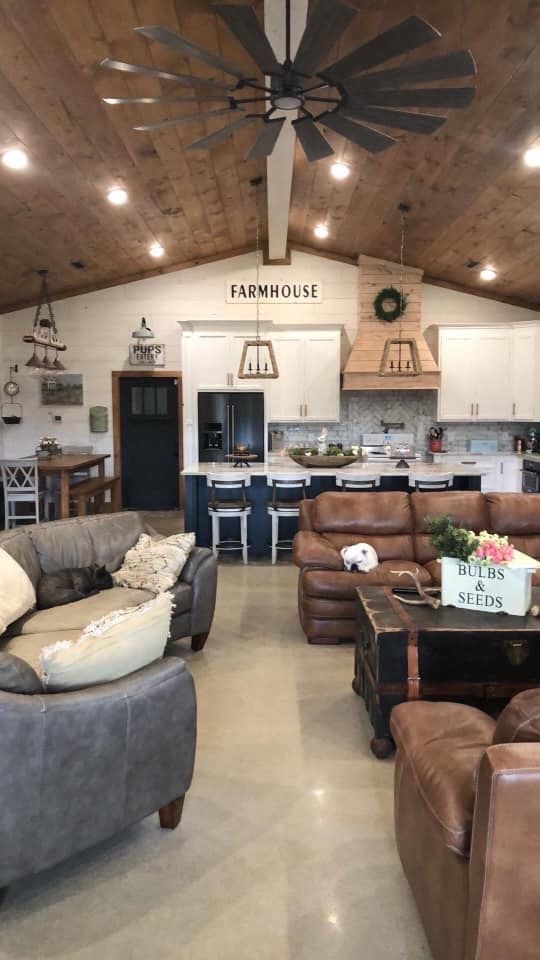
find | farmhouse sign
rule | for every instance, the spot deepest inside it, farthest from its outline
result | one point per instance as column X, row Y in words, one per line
column 500, row 588
column 146, row 354
column 274, row 291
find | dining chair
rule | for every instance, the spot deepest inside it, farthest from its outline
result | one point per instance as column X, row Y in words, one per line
column 20, row 482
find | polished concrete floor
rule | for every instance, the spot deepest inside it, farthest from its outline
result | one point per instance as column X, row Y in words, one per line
column 286, row 848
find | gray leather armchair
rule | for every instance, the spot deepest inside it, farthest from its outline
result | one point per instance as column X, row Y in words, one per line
column 75, row 768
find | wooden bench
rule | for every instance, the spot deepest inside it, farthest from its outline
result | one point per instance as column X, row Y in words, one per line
column 95, row 488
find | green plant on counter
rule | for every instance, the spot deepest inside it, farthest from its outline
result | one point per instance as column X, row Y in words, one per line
column 449, row 540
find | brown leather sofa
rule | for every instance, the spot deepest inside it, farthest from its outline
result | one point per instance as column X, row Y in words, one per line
column 467, row 825
column 394, row 524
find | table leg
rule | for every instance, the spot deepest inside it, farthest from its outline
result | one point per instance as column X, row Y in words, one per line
column 64, row 495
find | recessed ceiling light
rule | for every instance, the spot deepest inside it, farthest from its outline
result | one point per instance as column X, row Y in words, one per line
column 532, row 157
column 488, row 273
column 339, row 170
column 117, row 196
column 321, row 231
column 15, row 159
column 156, row 250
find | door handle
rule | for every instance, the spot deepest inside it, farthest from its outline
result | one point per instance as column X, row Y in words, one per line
column 513, row 409
column 476, row 409
column 301, row 409
column 232, row 427
column 305, row 409
column 472, row 409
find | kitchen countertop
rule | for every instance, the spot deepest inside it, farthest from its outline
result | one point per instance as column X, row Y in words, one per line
column 382, row 470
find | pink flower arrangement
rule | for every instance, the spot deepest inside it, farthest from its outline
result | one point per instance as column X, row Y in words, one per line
column 492, row 549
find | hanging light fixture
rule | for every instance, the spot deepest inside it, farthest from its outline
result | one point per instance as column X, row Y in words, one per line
column 45, row 332
column 400, row 354
column 143, row 332
column 258, row 360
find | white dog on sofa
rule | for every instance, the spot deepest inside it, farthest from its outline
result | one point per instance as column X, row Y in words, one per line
column 360, row 556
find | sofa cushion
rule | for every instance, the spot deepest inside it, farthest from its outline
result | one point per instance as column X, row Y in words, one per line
column 28, row 646
column 17, row 592
column 155, row 564
column 112, row 535
column 466, row 508
column 17, row 676
column 119, row 644
column 75, row 616
column 376, row 513
column 341, row 585
column 19, row 546
column 520, row 720
column 517, row 516
column 61, row 544
column 443, row 744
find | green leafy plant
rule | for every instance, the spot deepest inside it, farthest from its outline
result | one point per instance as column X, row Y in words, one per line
column 449, row 540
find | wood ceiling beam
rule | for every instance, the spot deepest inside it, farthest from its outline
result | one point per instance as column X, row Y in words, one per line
column 280, row 164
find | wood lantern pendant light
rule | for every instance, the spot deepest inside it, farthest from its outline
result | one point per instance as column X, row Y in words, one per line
column 400, row 355
column 258, row 360
column 44, row 332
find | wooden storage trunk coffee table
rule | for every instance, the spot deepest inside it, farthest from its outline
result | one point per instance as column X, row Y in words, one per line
column 406, row 652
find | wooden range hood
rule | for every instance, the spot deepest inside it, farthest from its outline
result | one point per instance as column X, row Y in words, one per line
column 363, row 369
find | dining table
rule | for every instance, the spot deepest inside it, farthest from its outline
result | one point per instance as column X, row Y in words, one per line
column 63, row 465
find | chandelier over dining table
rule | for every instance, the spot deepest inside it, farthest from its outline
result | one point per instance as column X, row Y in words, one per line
column 45, row 333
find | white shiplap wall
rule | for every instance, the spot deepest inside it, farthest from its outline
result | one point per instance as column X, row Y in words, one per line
column 97, row 329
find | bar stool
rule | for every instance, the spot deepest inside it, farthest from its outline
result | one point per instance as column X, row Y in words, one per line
column 296, row 480
column 431, row 481
column 358, row 481
column 218, row 508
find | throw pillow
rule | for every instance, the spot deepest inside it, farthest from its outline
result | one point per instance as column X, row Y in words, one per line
column 155, row 564
column 17, row 593
column 109, row 648
column 17, row 676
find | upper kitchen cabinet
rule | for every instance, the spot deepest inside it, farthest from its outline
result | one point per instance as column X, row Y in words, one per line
column 487, row 373
column 308, row 385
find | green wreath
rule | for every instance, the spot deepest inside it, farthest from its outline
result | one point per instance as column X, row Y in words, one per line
column 398, row 299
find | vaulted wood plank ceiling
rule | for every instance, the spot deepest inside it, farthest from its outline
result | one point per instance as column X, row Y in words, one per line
column 470, row 194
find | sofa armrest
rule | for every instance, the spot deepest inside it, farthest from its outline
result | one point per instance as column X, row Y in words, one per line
column 78, row 767
column 504, row 878
column 197, row 557
column 311, row 550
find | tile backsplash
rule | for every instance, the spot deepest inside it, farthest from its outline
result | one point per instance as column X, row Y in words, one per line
column 365, row 411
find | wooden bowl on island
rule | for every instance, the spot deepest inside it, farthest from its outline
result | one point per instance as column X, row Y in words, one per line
column 315, row 460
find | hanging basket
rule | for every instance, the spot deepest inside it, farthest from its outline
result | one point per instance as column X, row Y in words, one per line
column 12, row 413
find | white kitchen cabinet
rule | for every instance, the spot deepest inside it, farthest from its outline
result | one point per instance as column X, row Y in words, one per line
column 456, row 350
column 286, row 394
column 321, row 376
column 524, row 404
column 476, row 381
column 502, row 473
column 211, row 360
column 307, row 389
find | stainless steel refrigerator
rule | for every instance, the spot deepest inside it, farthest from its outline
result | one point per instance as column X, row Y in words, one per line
column 228, row 419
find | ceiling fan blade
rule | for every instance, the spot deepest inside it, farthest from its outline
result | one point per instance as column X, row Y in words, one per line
column 220, row 135
column 459, row 64
column 314, row 145
column 244, row 23
column 186, row 78
column 267, row 138
column 415, row 122
column 443, row 97
column 188, row 49
column 328, row 20
column 186, row 119
column 402, row 38
column 115, row 100
column 371, row 140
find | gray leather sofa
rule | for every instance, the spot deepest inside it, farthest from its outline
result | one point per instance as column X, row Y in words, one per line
column 75, row 768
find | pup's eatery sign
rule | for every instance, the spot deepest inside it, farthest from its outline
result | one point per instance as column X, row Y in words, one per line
column 274, row 291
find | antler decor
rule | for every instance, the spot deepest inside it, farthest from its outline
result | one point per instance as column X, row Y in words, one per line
column 425, row 593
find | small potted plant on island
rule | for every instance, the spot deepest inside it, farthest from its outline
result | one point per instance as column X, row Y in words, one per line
column 481, row 571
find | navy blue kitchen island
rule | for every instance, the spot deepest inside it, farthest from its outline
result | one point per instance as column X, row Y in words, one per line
column 197, row 493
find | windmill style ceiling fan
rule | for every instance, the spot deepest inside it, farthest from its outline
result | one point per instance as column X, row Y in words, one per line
column 347, row 96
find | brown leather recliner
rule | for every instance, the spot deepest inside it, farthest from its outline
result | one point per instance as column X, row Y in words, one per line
column 467, row 816
column 393, row 523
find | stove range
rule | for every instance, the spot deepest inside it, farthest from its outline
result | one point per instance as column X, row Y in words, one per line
column 396, row 448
